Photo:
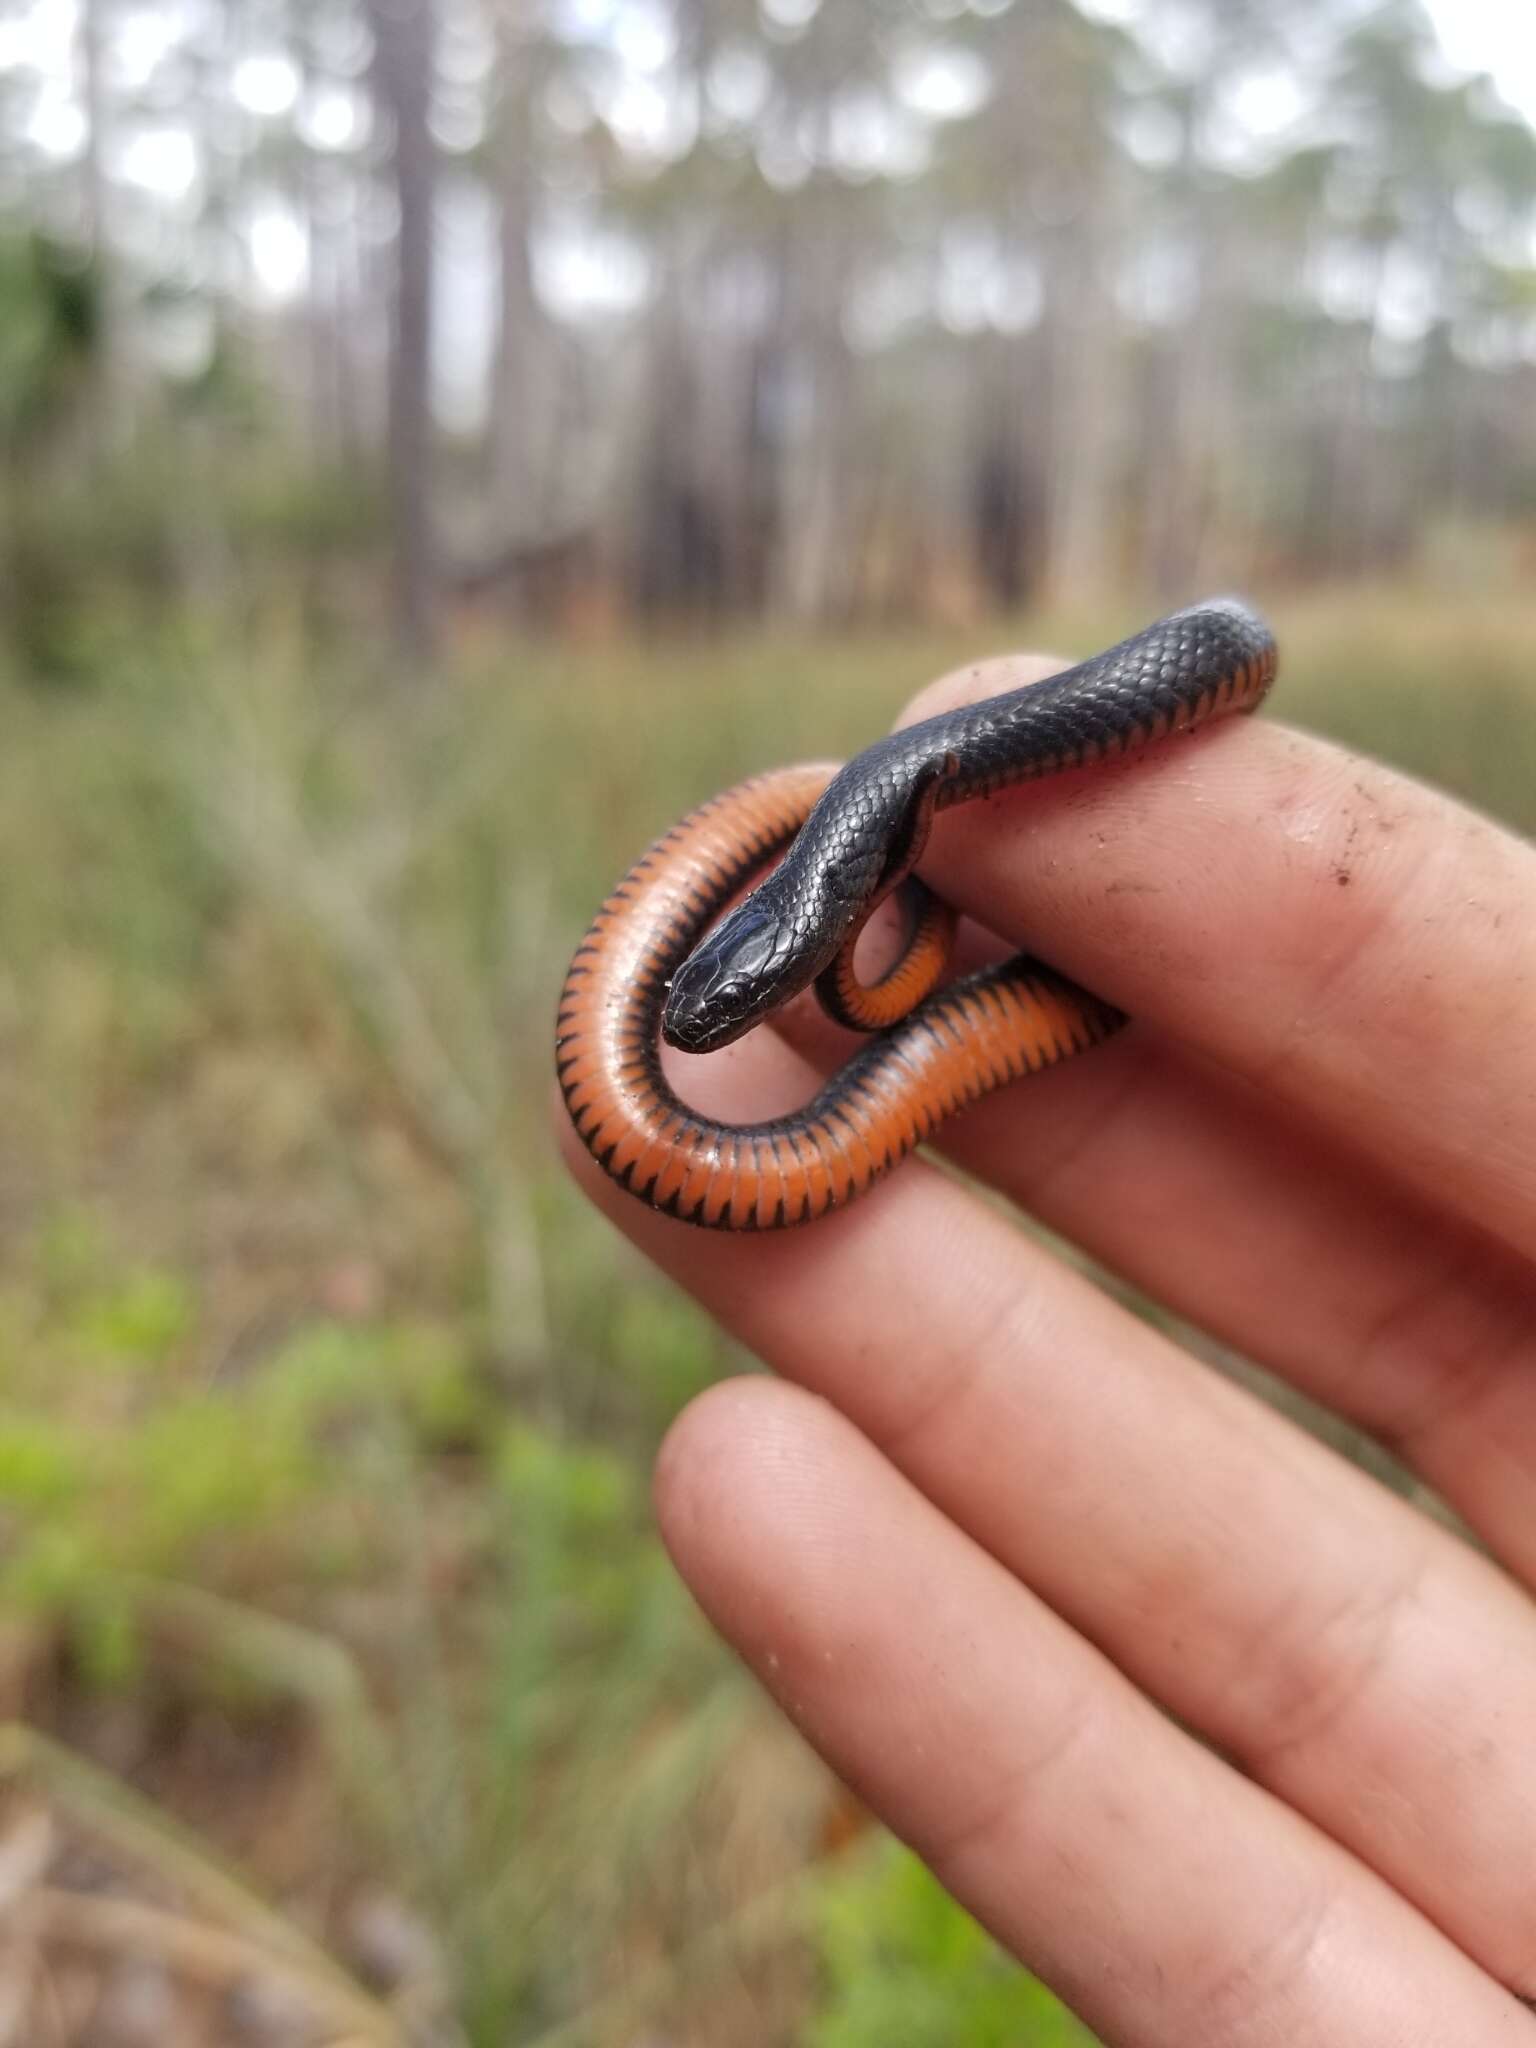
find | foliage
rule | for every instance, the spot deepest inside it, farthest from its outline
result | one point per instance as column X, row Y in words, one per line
column 50, row 330
column 902, row 1962
column 306, row 1412
column 819, row 311
column 326, row 1405
column 367, row 1456
column 124, row 1463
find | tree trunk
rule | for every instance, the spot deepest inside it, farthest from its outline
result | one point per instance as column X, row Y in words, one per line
column 818, row 535
column 1090, row 377
column 404, row 43
column 513, row 368
column 105, row 402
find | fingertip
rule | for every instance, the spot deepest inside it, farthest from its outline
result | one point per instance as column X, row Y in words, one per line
column 694, row 1466
column 744, row 1489
column 978, row 680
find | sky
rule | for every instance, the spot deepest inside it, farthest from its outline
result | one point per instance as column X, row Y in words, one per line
column 1498, row 36
column 1494, row 36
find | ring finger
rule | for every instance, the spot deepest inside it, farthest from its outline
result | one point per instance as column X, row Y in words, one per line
column 1265, row 1591
column 1172, row 1904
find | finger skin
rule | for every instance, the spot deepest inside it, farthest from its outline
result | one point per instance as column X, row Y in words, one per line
column 1167, row 1900
column 1190, row 1183
column 1361, row 947
column 1350, row 1654
column 1442, row 1717
column 1192, row 1186
column 1197, row 1186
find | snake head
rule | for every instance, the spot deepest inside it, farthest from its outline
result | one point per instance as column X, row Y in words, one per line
column 731, row 979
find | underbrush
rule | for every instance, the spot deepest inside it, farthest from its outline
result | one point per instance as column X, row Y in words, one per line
column 327, row 1407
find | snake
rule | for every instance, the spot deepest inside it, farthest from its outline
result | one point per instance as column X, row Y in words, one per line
column 678, row 953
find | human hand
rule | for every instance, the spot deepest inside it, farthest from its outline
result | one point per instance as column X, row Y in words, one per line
column 995, row 1522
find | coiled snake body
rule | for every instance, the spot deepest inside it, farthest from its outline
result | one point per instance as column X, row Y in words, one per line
column 655, row 962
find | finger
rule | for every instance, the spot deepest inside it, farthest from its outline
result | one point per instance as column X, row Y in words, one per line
column 1197, row 1190
column 1351, row 1655
column 1191, row 1184
column 1165, row 1898
column 1360, row 946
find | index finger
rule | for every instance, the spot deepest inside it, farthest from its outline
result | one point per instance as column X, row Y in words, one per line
column 1361, row 946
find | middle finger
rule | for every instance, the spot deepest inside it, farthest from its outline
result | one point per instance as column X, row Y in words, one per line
column 1332, row 1641
column 1191, row 1184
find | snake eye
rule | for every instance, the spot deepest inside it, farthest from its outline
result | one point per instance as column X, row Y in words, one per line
column 724, row 985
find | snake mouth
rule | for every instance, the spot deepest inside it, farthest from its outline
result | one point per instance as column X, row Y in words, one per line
column 731, row 979
column 692, row 1021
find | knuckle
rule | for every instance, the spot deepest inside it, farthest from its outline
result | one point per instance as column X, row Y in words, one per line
column 1324, row 1671
column 1445, row 1348
column 1251, row 1993
column 991, row 1830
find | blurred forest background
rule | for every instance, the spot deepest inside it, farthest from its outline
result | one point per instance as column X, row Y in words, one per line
column 440, row 440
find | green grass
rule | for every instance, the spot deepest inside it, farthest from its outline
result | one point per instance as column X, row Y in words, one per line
column 320, row 1385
